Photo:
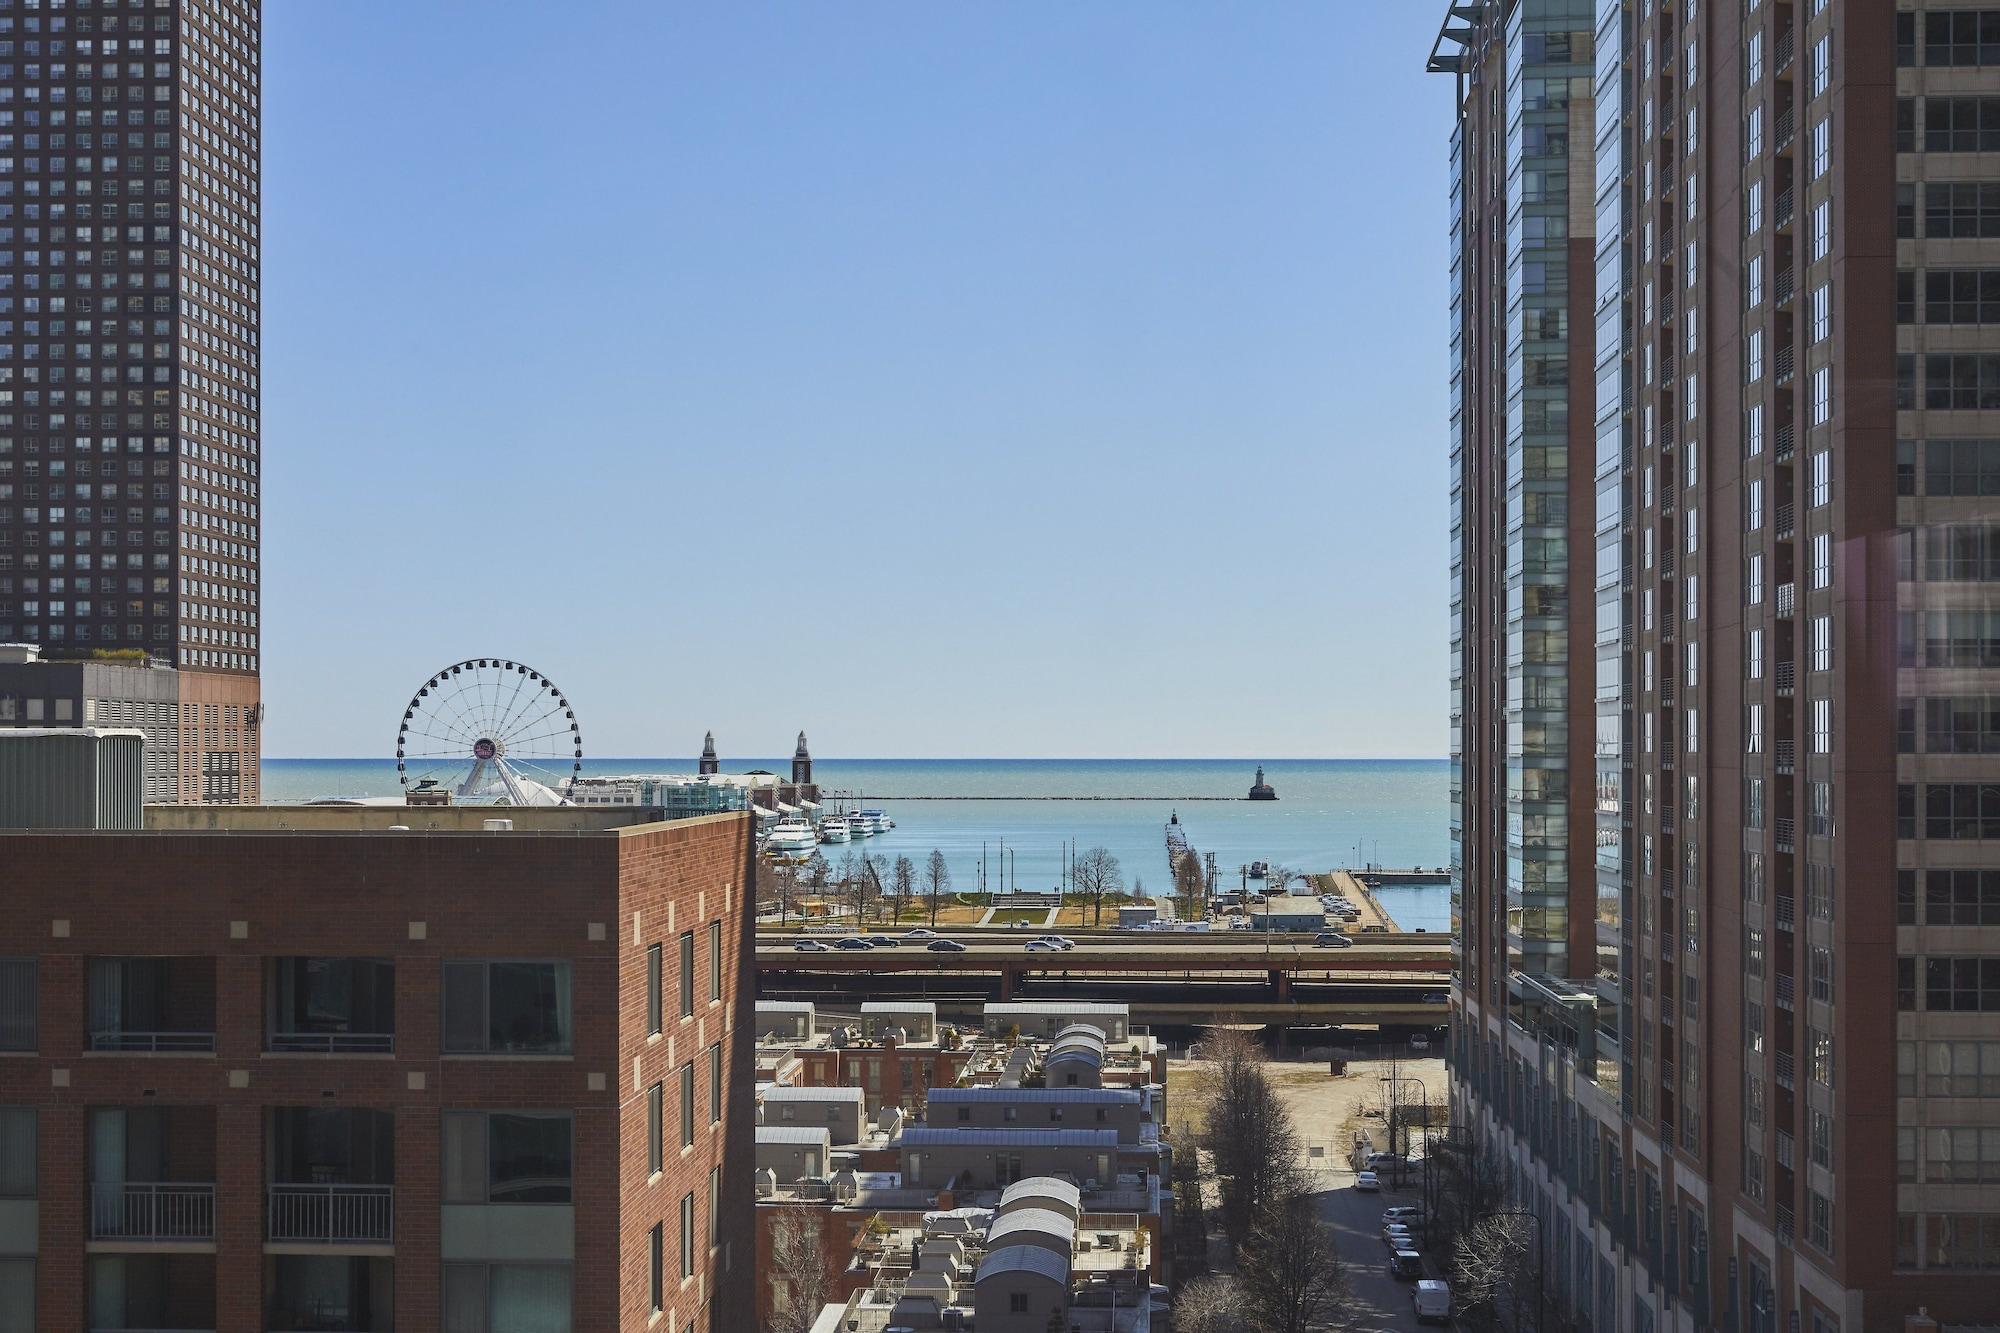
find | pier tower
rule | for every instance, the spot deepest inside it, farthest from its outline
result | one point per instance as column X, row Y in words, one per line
column 710, row 764
column 802, row 763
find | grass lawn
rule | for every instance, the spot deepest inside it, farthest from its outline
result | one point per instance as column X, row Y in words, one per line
column 1007, row 916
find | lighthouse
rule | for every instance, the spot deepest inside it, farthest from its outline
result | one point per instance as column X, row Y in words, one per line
column 1261, row 790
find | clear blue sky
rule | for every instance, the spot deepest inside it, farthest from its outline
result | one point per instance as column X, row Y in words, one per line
column 1032, row 379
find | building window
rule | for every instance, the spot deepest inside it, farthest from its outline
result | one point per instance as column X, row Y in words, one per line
column 517, row 1008
column 715, row 1084
column 656, row 1128
column 1960, row 898
column 498, row 1296
column 1961, row 296
column 1962, row 37
column 1962, row 985
column 1821, row 484
column 507, row 1157
column 1961, row 467
column 1822, row 560
column 687, row 1235
column 1822, row 149
column 715, row 960
column 1961, row 124
column 687, row 1104
column 18, row 983
column 17, row 1154
column 1961, row 382
column 1822, row 64
column 714, row 1206
column 656, row 1263
column 1822, row 312
column 1822, row 395
column 687, row 973
column 655, row 984
column 1961, row 210
column 1822, row 726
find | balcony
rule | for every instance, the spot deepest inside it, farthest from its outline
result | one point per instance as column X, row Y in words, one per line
column 1784, row 678
column 1785, row 756
column 1783, row 211
column 152, row 1211
column 328, row 1293
column 1787, row 442
column 1783, row 1071
column 332, row 1006
column 1785, row 363
column 1785, row 131
column 1785, row 1153
column 1786, row 603
column 1785, row 992
column 150, row 1293
column 332, row 1214
column 1783, row 289
column 1784, row 834
column 1786, row 919
column 332, row 1176
column 152, row 1006
column 1781, row 55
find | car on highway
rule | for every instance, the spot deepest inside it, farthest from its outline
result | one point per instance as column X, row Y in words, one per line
column 920, row 933
column 1367, row 1182
column 1058, row 941
column 1332, row 939
column 882, row 941
column 1406, row 1265
column 1436, row 997
column 1041, row 946
column 853, row 942
column 1432, row 1300
column 945, row 946
column 810, row 946
column 1420, row 1043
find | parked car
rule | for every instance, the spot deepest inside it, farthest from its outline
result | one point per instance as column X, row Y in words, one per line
column 1332, row 939
column 809, row 946
column 853, row 942
column 1406, row 1265
column 1385, row 1161
column 946, row 946
column 1410, row 1214
column 882, row 941
column 1420, row 1043
column 1367, row 1182
column 1432, row 1300
column 920, row 933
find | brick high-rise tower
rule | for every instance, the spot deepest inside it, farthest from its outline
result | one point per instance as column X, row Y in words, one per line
column 129, row 337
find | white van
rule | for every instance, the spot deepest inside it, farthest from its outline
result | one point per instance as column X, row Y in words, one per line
column 1432, row 1299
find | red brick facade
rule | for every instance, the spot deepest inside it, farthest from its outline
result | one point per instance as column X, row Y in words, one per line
column 236, row 899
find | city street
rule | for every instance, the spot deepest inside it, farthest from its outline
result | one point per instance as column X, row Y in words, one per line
column 1356, row 1220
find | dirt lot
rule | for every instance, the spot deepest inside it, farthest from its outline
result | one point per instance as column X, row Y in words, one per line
column 1329, row 1111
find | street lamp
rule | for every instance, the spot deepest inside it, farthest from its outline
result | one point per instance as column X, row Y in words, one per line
column 1394, row 1081
column 1541, row 1255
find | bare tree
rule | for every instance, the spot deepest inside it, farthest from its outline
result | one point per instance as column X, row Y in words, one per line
column 799, row 1269
column 1292, row 1277
column 819, row 877
column 1211, row 1305
column 874, row 870
column 1249, row 1132
column 845, row 888
column 1096, row 874
column 1493, row 1270
column 785, row 879
column 902, row 885
column 1189, row 884
column 937, row 880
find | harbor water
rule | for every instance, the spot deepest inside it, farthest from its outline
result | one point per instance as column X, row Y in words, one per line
column 1338, row 812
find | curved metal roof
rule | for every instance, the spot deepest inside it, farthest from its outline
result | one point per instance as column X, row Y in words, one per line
column 1043, row 1187
column 1047, row 1221
column 1044, row 1263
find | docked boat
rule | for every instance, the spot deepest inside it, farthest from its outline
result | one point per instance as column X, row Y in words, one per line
column 835, row 828
column 791, row 839
column 861, row 825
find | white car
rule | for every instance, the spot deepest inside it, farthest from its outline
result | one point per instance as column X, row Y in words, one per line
column 1367, row 1182
column 809, row 946
column 921, row 933
column 1432, row 1300
column 1058, row 941
column 1041, row 946
column 1406, row 1213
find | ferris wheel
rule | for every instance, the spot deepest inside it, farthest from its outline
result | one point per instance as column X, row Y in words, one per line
column 492, row 730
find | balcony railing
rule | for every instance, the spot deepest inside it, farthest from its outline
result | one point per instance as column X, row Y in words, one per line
column 1785, row 834
column 1781, row 59
column 1785, row 130
column 332, row 1214
column 151, row 1211
column 1786, row 677
column 1783, row 289
column 333, row 1043
column 1785, row 1150
column 1785, row 753
column 1782, row 214
column 1785, row 991
column 1787, row 440
column 1785, row 362
column 1787, row 600
column 152, row 1043
column 1787, row 919
column 1784, row 1070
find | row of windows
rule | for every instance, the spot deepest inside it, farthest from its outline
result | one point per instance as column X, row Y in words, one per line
column 1946, row 38
column 1951, row 210
column 1950, row 296
column 1952, row 811
column 1948, row 1240
column 1948, row 985
column 1950, row 125
column 1952, row 382
column 1948, row 1068
column 1948, row 897
column 1951, row 467
column 655, row 979
column 1960, row 1155
column 656, row 1109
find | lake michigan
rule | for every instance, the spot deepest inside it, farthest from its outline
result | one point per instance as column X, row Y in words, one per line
column 1329, row 812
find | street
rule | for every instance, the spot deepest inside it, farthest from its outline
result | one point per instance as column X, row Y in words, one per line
column 1356, row 1221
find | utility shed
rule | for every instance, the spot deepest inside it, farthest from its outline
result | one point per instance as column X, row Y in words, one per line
column 71, row 778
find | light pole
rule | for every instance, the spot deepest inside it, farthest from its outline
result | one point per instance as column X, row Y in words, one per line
column 1395, row 1081
column 1540, row 1255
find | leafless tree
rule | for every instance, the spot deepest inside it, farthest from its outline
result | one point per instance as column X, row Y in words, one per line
column 1211, row 1304
column 819, row 876
column 798, row 1262
column 785, row 880
column 1493, row 1270
column 902, row 885
column 1189, row 884
column 873, row 885
column 1096, row 874
column 1249, row 1132
column 1292, row 1277
column 937, row 881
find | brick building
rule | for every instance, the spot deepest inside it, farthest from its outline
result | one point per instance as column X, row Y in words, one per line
column 369, row 1079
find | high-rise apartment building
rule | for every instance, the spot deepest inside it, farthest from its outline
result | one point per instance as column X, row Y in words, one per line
column 1773, row 231
column 129, row 438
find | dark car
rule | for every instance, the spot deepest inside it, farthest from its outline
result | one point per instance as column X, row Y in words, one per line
column 945, row 946
column 882, row 941
column 1406, row 1265
column 1332, row 939
column 853, row 942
